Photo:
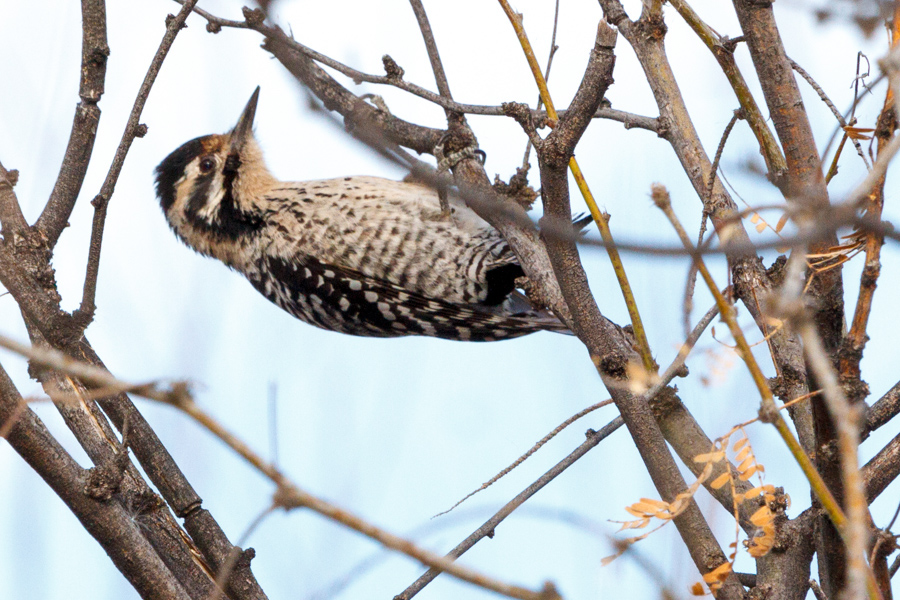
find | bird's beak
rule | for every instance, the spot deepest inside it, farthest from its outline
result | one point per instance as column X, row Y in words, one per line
column 244, row 128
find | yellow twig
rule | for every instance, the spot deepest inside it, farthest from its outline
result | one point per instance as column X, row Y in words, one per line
column 600, row 218
column 770, row 411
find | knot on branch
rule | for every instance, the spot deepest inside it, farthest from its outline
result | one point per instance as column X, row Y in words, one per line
column 521, row 114
column 100, row 53
column 213, row 27
column 664, row 403
column 103, row 481
column 170, row 18
column 517, row 189
column 730, row 44
column 613, row 364
column 243, row 561
column 391, row 68
column 12, row 177
column 253, row 16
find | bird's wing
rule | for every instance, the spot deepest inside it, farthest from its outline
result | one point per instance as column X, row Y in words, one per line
column 342, row 299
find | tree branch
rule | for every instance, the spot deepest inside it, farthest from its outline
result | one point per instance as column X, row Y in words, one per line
column 133, row 129
column 108, row 522
column 94, row 54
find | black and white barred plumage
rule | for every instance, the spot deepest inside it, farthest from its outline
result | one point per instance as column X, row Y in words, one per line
column 358, row 255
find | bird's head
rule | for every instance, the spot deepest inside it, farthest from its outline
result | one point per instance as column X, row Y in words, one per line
column 211, row 187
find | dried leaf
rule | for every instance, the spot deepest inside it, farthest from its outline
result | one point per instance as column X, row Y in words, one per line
column 718, row 574
column 763, row 516
column 746, row 464
column 742, row 454
column 753, row 492
column 710, row 457
column 697, row 589
column 781, row 223
column 760, row 227
column 720, row 481
column 741, row 442
column 859, row 133
column 748, row 473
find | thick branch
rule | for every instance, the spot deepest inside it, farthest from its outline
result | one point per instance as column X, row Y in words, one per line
column 95, row 435
column 805, row 180
column 750, row 280
column 610, row 352
column 337, row 97
column 107, row 522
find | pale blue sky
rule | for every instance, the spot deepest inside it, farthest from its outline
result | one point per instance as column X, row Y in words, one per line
column 394, row 430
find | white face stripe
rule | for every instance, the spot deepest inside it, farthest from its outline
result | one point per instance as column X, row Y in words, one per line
column 184, row 190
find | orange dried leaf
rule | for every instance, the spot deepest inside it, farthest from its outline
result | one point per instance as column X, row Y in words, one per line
column 710, row 457
column 760, row 227
column 742, row 454
column 720, row 481
column 859, row 133
column 753, row 492
column 781, row 223
column 755, row 218
column 720, row 573
column 763, row 516
column 740, row 444
column 744, row 476
column 746, row 464
column 697, row 589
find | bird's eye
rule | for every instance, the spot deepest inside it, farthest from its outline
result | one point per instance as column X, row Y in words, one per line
column 207, row 164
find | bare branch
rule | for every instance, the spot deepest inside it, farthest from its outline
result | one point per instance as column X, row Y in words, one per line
column 287, row 496
column 489, row 526
column 883, row 410
column 440, row 77
column 94, row 54
column 133, row 129
column 834, row 110
column 108, row 522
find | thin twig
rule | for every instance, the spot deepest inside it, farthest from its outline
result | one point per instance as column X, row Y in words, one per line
column 834, row 110
column 133, row 129
column 487, row 529
column 630, row 120
column 540, row 100
column 537, row 446
column 721, row 148
column 440, row 77
column 288, row 495
column 687, row 304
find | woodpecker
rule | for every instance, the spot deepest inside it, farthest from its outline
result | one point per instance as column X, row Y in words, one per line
column 358, row 255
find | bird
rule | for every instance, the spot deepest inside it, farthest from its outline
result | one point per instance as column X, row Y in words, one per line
column 358, row 255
